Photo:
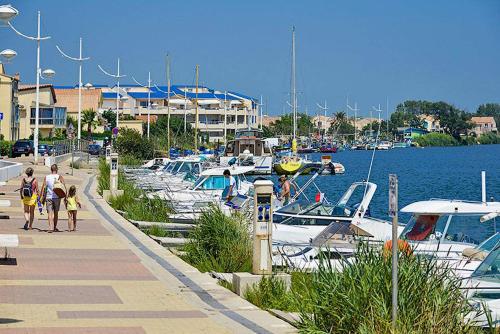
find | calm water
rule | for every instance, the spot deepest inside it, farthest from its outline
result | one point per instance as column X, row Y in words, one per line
column 423, row 173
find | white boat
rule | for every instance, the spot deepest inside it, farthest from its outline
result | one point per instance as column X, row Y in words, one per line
column 208, row 188
column 302, row 230
column 445, row 228
column 384, row 145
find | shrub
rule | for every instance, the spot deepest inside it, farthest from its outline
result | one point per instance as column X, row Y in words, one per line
column 489, row 138
column 5, row 148
column 357, row 298
column 436, row 139
column 220, row 243
column 103, row 177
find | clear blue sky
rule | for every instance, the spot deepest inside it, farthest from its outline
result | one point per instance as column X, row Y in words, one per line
column 368, row 50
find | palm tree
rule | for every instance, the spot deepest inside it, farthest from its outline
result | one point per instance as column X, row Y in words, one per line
column 89, row 118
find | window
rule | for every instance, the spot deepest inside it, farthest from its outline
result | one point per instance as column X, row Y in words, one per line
column 60, row 117
column 45, row 116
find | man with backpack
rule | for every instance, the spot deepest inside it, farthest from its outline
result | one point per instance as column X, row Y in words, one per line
column 29, row 195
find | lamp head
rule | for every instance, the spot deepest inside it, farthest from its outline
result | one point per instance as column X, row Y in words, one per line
column 7, row 13
column 48, row 73
column 8, row 54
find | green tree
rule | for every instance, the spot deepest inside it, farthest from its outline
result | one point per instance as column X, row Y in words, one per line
column 89, row 118
column 284, row 125
column 110, row 118
column 130, row 142
column 453, row 120
column 490, row 109
column 341, row 125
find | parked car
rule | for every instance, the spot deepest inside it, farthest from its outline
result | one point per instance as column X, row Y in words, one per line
column 51, row 149
column 43, row 149
column 21, row 147
column 94, row 149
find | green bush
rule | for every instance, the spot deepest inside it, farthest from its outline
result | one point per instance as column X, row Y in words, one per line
column 130, row 142
column 103, row 177
column 357, row 297
column 436, row 139
column 220, row 243
column 130, row 160
column 489, row 138
column 5, row 148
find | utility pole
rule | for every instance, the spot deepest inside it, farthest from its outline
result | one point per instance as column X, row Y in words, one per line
column 260, row 111
column 355, row 109
column 196, row 113
column 225, row 117
column 168, row 105
column 117, row 76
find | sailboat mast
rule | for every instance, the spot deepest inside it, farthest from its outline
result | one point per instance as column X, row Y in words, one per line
column 168, row 105
column 294, row 89
column 196, row 120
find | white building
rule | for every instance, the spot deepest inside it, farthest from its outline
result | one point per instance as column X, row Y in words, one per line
column 213, row 106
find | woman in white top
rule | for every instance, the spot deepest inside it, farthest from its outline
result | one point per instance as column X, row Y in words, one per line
column 52, row 201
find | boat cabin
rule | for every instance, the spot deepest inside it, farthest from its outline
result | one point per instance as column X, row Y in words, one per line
column 213, row 179
column 249, row 141
column 450, row 221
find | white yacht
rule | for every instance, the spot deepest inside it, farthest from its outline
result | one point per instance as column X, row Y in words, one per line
column 208, row 188
column 302, row 230
column 445, row 228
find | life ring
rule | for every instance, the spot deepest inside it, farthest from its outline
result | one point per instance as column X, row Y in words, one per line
column 403, row 247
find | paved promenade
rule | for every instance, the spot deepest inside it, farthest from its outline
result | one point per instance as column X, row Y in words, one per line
column 108, row 277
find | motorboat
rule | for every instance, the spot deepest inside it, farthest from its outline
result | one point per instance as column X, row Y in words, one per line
column 208, row 188
column 249, row 149
column 328, row 149
column 384, row 145
column 446, row 228
column 303, row 229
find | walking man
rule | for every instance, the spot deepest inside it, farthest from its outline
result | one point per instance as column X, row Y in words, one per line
column 233, row 188
column 51, row 187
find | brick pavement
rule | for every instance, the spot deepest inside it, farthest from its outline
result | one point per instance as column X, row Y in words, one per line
column 97, row 280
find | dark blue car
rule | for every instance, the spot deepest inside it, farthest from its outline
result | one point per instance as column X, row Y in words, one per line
column 43, row 149
column 94, row 149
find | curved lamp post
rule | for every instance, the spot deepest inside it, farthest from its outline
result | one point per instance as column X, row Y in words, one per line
column 7, row 13
column 117, row 76
column 80, row 60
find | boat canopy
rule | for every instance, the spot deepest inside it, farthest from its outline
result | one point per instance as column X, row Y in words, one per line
column 451, row 207
column 236, row 170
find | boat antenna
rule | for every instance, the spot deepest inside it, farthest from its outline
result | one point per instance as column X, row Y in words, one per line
column 374, row 149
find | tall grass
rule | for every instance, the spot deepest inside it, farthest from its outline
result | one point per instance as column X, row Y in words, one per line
column 103, row 177
column 220, row 243
column 130, row 160
column 357, row 298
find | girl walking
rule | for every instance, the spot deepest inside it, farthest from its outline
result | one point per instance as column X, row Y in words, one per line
column 29, row 195
column 72, row 206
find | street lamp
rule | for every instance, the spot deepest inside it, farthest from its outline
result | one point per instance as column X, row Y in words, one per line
column 80, row 60
column 8, row 54
column 149, row 96
column 7, row 13
column 117, row 76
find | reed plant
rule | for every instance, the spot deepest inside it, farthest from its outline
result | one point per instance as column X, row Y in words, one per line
column 130, row 161
column 220, row 243
column 357, row 297
column 103, row 176
column 148, row 209
column 157, row 231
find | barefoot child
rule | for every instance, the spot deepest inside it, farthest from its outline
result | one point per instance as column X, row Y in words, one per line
column 72, row 205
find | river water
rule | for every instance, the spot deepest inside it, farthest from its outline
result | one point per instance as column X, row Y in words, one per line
column 423, row 173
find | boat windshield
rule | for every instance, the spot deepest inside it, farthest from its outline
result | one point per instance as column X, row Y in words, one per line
column 456, row 228
column 489, row 269
column 172, row 166
column 214, row 182
column 489, row 244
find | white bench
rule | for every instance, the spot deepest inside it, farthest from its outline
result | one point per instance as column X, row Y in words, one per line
column 9, row 240
column 5, row 203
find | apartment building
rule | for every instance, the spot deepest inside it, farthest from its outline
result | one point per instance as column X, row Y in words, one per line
column 9, row 107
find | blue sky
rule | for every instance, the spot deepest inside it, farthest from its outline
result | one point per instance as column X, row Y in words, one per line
column 368, row 50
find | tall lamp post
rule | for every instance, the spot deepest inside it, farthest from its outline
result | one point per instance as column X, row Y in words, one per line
column 7, row 13
column 149, row 96
column 117, row 76
column 80, row 60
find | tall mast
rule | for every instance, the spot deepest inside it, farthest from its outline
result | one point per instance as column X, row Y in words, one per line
column 196, row 114
column 293, row 88
column 225, row 117
column 168, row 105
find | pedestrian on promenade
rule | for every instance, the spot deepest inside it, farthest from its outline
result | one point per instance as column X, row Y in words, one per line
column 29, row 194
column 72, row 204
column 54, row 189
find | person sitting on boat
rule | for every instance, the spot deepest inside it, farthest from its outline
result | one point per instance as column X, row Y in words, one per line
column 285, row 190
column 233, row 191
